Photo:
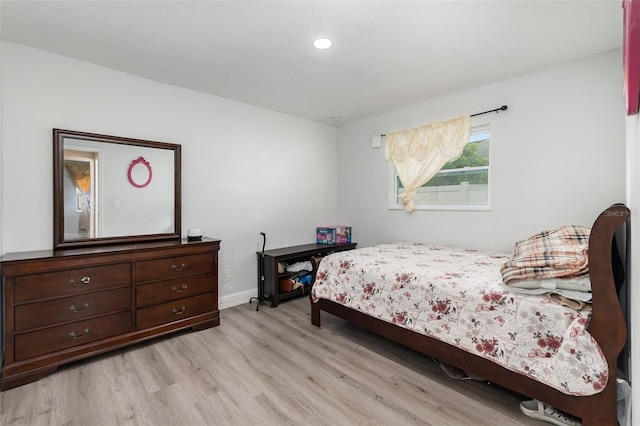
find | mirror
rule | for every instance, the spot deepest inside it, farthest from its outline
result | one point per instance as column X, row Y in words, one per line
column 110, row 189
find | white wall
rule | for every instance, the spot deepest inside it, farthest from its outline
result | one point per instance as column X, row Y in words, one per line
column 244, row 169
column 557, row 157
column 633, row 256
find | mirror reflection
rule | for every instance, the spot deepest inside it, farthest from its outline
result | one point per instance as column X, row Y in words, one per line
column 114, row 189
column 79, row 190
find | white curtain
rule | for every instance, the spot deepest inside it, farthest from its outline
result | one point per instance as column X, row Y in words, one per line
column 418, row 154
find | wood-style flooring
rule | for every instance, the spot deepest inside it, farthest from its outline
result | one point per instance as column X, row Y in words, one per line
column 270, row 367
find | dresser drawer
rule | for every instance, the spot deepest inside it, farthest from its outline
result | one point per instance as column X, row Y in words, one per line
column 53, row 339
column 162, row 269
column 52, row 312
column 71, row 282
column 177, row 288
column 174, row 311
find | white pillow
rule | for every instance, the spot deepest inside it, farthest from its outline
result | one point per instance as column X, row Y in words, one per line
column 584, row 296
column 579, row 284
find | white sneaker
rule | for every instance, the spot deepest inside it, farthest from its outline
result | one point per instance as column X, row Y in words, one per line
column 537, row 410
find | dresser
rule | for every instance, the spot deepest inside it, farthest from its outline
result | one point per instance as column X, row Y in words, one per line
column 64, row 305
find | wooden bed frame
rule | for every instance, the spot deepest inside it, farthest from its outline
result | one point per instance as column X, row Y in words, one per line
column 607, row 326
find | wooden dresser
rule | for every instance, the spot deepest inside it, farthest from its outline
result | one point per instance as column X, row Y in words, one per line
column 64, row 305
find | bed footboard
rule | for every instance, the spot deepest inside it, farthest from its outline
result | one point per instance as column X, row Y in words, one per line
column 315, row 307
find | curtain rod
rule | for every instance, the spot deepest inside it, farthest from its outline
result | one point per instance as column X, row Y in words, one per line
column 502, row 108
column 497, row 110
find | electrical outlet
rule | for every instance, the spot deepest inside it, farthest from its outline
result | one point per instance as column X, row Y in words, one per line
column 226, row 275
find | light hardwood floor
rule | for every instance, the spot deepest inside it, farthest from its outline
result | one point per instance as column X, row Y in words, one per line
column 269, row 367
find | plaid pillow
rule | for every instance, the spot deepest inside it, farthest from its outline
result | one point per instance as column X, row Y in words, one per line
column 558, row 253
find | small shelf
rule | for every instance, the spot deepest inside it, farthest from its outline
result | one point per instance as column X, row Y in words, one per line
column 287, row 275
column 285, row 295
column 270, row 259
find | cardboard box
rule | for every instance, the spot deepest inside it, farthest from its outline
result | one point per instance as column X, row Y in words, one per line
column 333, row 234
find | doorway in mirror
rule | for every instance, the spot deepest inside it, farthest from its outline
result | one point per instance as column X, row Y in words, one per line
column 81, row 193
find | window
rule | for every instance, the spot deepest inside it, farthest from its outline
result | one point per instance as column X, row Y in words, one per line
column 462, row 184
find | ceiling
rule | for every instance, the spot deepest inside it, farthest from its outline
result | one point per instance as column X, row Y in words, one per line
column 386, row 54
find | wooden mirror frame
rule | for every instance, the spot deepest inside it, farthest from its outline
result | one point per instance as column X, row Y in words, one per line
column 59, row 241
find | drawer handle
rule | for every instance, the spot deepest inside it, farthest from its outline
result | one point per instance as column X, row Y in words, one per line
column 84, row 280
column 84, row 333
column 178, row 312
column 74, row 309
column 178, row 268
column 182, row 288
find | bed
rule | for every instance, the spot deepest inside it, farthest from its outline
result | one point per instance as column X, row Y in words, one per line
column 449, row 303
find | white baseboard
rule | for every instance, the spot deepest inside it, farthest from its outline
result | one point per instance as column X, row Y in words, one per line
column 236, row 299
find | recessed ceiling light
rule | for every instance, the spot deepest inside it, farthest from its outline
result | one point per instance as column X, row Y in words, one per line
column 322, row 43
column 336, row 118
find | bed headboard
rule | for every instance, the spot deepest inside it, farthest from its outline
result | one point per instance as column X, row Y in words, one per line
column 608, row 325
column 618, row 262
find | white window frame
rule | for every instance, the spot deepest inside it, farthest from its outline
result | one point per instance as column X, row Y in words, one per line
column 477, row 133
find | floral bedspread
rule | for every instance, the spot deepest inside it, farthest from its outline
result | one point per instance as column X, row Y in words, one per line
column 455, row 295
